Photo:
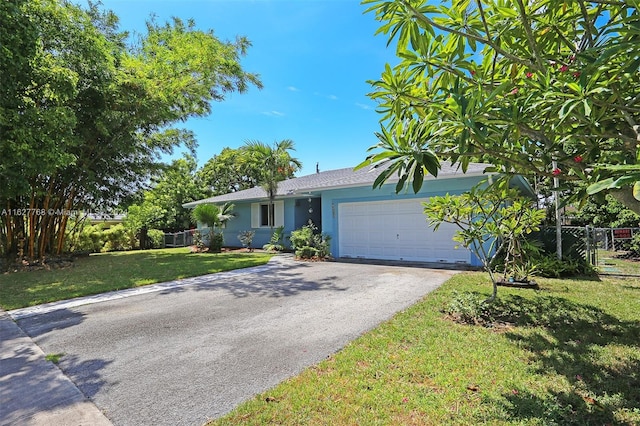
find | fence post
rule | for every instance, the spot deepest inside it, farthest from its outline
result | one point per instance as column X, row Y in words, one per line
column 588, row 242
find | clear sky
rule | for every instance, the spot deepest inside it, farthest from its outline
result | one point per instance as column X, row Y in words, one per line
column 314, row 58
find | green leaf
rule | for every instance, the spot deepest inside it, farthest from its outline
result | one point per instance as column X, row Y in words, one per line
column 636, row 190
column 600, row 186
column 418, row 178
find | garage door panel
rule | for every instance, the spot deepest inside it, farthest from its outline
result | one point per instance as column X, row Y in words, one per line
column 395, row 230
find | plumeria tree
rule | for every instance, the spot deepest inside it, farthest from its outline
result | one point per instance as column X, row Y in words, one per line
column 542, row 87
column 493, row 221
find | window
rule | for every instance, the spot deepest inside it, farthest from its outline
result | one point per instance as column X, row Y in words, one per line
column 267, row 219
column 260, row 214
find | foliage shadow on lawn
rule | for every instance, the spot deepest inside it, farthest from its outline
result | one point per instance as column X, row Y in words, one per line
column 568, row 339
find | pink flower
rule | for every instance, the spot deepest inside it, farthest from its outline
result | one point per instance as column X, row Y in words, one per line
column 405, row 400
column 564, row 68
column 557, row 171
column 578, row 377
column 576, row 74
column 473, row 73
column 529, row 74
column 514, row 91
column 578, row 158
column 514, row 391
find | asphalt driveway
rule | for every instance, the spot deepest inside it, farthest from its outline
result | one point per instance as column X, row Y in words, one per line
column 186, row 354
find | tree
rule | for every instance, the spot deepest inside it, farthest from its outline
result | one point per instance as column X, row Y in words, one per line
column 605, row 212
column 84, row 117
column 492, row 220
column 277, row 165
column 174, row 185
column 213, row 216
column 230, row 171
column 545, row 87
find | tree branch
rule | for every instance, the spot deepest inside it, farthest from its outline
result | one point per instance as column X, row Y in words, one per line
column 422, row 18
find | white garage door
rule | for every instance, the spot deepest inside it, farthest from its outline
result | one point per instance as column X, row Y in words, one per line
column 395, row 230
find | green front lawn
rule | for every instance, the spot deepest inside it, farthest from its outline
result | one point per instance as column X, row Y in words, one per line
column 609, row 262
column 104, row 272
column 567, row 354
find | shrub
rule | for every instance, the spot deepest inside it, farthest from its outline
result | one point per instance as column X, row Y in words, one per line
column 156, row 237
column 551, row 267
column 90, row 239
column 116, row 238
column 307, row 252
column 216, row 240
column 198, row 241
column 276, row 243
column 246, row 238
column 467, row 308
column 309, row 244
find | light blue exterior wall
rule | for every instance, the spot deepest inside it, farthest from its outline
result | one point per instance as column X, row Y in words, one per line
column 332, row 198
column 242, row 221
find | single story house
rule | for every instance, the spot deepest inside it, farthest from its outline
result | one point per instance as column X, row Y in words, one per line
column 362, row 222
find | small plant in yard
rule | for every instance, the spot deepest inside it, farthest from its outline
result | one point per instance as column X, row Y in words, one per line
column 246, row 238
column 467, row 308
column 493, row 221
column 309, row 244
column 54, row 358
column 198, row 242
column 276, row 243
column 551, row 267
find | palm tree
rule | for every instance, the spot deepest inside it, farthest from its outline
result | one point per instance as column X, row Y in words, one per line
column 278, row 165
column 212, row 216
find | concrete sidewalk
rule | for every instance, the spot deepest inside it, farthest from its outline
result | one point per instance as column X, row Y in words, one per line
column 33, row 391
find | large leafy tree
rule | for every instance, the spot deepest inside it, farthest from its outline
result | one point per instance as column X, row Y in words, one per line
column 161, row 205
column 277, row 165
column 605, row 212
column 230, row 171
column 543, row 87
column 84, row 117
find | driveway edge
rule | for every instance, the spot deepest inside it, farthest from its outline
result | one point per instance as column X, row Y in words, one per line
column 34, row 391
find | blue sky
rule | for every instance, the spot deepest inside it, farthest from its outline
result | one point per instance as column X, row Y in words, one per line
column 314, row 58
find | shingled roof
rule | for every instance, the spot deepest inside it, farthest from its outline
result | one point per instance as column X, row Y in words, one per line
column 331, row 179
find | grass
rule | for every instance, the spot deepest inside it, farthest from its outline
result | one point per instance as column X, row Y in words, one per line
column 567, row 354
column 54, row 358
column 100, row 273
column 610, row 263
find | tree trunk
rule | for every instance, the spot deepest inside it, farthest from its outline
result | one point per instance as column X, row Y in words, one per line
column 63, row 222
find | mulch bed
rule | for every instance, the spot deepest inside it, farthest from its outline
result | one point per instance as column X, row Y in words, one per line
column 519, row 284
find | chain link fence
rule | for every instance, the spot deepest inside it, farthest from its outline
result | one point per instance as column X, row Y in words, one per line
column 607, row 249
column 179, row 239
